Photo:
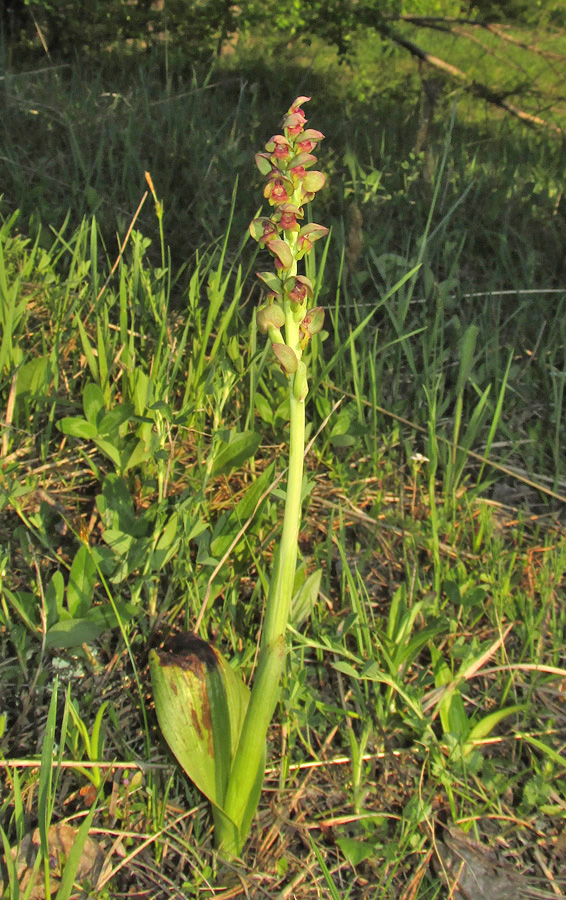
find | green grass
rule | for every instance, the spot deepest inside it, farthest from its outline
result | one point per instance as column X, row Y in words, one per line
column 424, row 679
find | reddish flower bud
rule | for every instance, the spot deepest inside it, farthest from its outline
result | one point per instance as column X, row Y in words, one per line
column 286, row 216
column 296, row 104
column 308, row 235
column 289, row 221
column 263, row 230
column 279, row 147
column 269, row 231
column 298, row 288
column 295, row 118
column 275, row 192
column 309, row 139
column 293, row 124
column 298, row 172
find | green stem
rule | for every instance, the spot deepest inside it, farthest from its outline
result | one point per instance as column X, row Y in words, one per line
column 247, row 769
column 283, row 576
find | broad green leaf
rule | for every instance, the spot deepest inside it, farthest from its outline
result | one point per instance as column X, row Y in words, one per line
column 120, row 542
column 264, row 408
column 442, row 677
column 105, row 616
column 342, row 440
column 33, row 378
column 115, row 504
column 135, row 454
column 72, row 633
column 82, row 579
column 248, row 765
column 238, row 451
column 355, row 851
column 93, row 403
column 111, row 450
column 459, row 724
column 200, row 704
column 345, row 668
column 111, row 421
column 54, row 596
column 77, row 427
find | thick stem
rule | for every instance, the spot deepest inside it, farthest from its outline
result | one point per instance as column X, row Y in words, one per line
column 267, row 682
column 246, row 775
column 283, row 575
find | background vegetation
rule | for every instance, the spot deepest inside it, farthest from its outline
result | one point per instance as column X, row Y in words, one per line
column 143, row 423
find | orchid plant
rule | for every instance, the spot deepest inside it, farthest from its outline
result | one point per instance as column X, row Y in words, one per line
column 214, row 724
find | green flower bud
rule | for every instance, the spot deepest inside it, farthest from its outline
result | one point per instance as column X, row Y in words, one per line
column 270, row 316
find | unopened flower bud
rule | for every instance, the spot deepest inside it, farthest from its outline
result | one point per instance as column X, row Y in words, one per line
column 300, row 383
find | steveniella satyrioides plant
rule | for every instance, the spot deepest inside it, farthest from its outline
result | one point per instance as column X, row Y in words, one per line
column 214, row 725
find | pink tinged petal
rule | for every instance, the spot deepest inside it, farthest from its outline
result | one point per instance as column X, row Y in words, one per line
column 277, row 143
column 281, row 153
column 281, row 250
column 298, row 288
column 269, row 231
column 278, row 189
column 275, row 192
column 312, row 135
column 286, row 357
column 304, row 245
column 298, row 172
column 287, row 209
column 263, row 230
column 304, row 160
column 297, row 103
column 293, row 123
column 314, row 231
column 289, row 221
column 298, row 294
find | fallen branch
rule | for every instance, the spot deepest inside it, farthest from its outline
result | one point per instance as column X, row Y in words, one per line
column 476, row 88
column 446, row 23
